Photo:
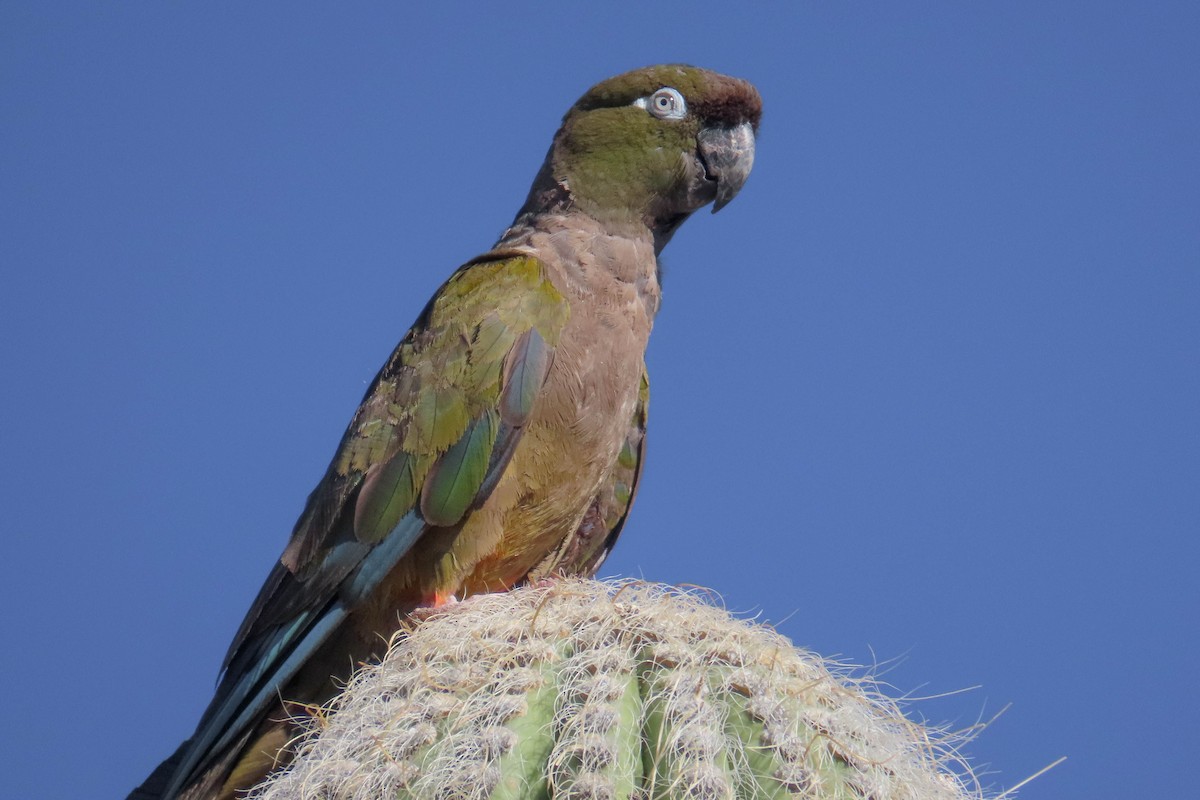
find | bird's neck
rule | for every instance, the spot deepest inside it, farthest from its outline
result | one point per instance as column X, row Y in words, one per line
column 589, row 256
column 551, row 197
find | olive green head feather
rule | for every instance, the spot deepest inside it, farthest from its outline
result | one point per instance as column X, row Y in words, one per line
column 651, row 146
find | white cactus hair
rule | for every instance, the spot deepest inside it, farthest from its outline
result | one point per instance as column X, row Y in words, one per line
column 604, row 690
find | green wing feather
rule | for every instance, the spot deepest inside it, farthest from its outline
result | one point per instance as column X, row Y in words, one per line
column 435, row 402
column 436, row 428
column 452, row 485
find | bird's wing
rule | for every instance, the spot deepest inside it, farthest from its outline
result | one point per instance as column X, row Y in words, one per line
column 430, row 440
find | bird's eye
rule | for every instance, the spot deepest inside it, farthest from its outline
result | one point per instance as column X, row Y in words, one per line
column 666, row 103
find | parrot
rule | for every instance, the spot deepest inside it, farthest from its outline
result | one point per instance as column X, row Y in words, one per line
column 502, row 441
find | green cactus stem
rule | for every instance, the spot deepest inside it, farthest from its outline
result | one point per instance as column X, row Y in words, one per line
column 609, row 691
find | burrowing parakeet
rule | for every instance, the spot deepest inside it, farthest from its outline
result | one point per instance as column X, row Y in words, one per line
column 502, row 440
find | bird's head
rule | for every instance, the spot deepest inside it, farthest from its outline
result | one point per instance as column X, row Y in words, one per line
column 650, row 147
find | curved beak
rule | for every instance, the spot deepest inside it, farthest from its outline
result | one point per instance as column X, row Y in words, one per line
column 728, row 155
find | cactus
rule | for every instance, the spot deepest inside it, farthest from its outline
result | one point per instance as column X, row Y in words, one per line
column 605, row 691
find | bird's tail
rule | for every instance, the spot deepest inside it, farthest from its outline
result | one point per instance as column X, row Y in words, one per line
column 156, row 784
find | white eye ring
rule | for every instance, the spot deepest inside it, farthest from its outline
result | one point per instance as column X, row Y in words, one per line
column 666, row 103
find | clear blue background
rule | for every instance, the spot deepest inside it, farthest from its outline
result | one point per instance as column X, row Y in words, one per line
column 926, row 395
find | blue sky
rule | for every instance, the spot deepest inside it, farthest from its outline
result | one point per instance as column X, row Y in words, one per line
column 926, row 394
